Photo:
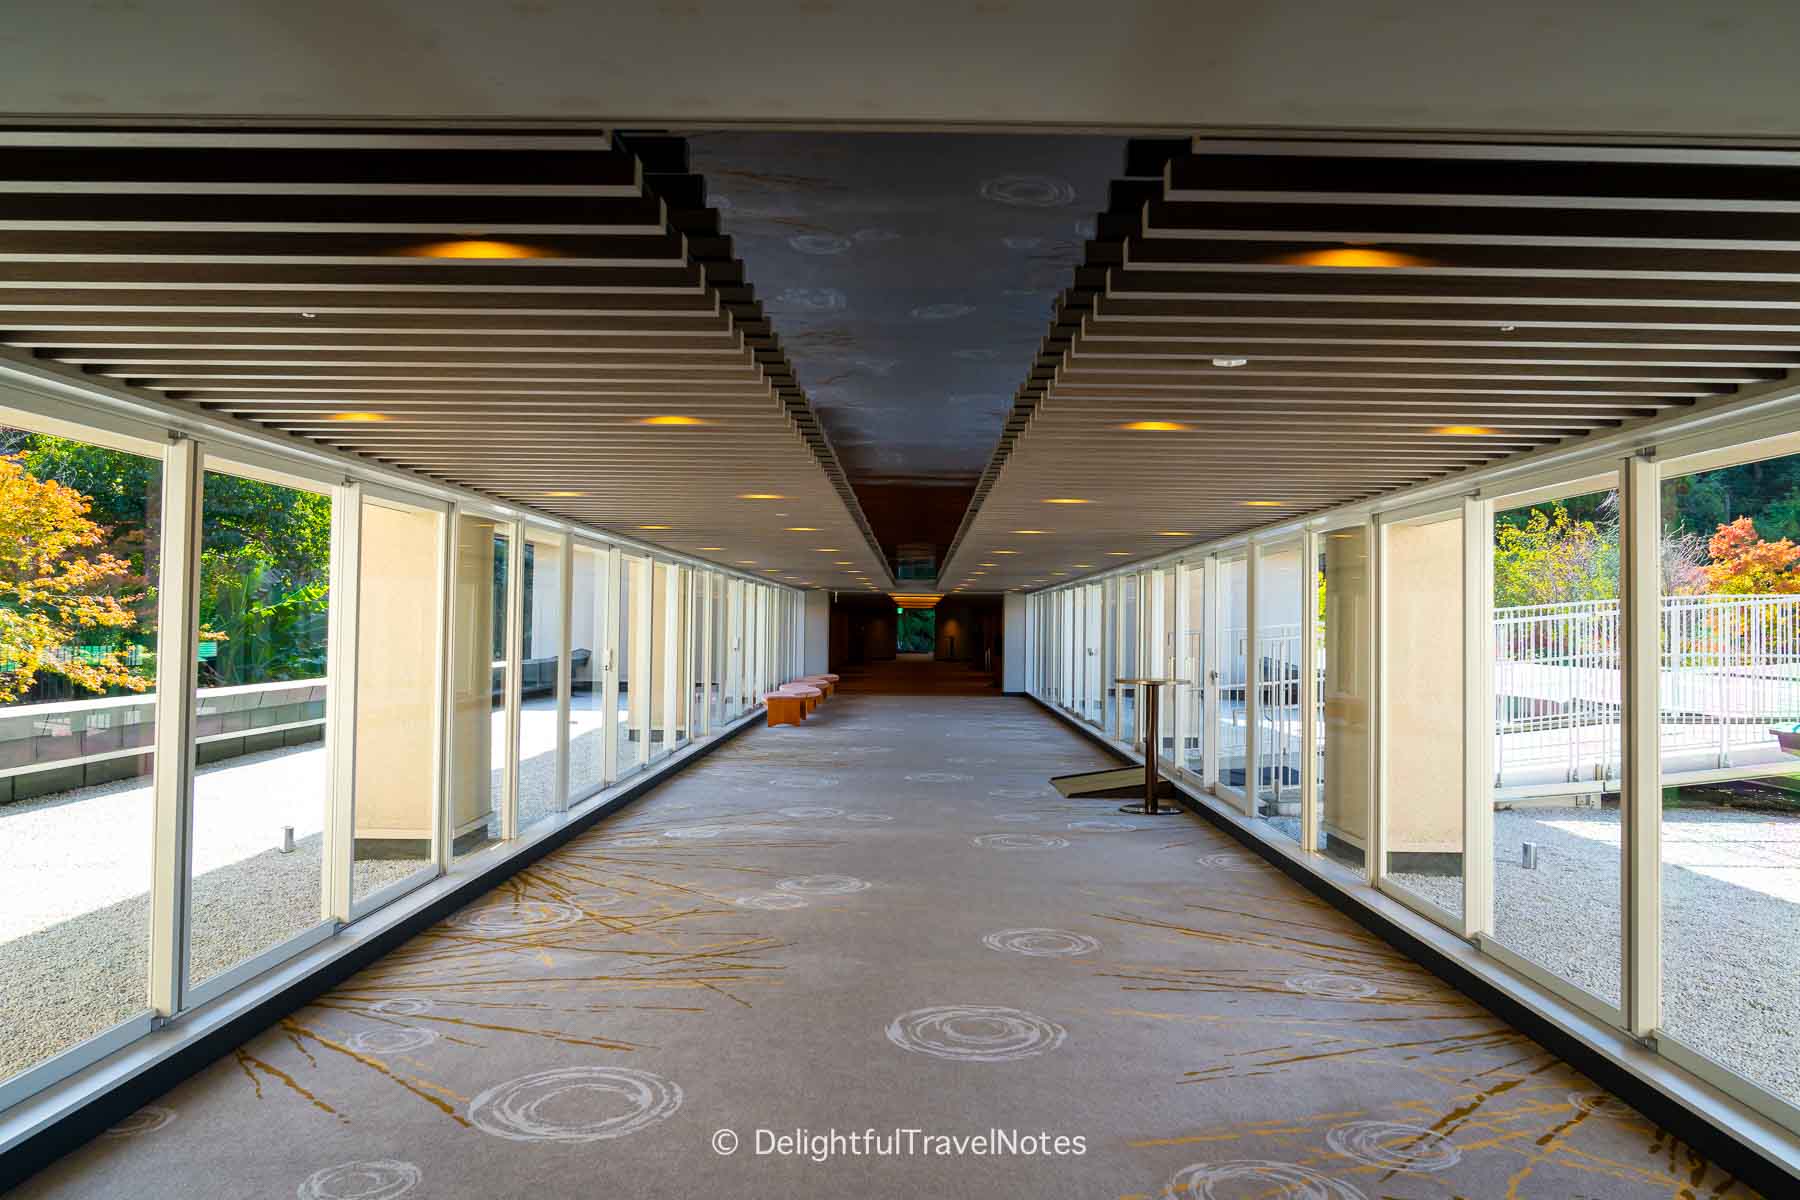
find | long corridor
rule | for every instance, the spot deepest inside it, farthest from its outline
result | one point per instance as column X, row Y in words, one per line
column 885, row 919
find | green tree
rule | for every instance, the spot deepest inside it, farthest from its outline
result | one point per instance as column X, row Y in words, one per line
column 1547, row 556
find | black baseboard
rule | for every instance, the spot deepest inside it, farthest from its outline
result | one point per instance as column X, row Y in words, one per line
column 83, row 1124
column 1721, row 1145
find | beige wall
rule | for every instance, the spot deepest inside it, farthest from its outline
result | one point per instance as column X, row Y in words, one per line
column 1423, row 646
column 396, row 668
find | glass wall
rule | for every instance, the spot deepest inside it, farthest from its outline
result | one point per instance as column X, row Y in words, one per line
column 257, row 842
column 1729, row 723
column 590, row 610
column 1282, row 584
column 364, row 685
column 1233, row 623
column 1193, row 666
column 1345, row 665
column 480, row 728
column 542, row 668
column 77, row 729
column 1556, row 758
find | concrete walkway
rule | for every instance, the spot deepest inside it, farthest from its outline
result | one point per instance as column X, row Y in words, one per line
column 885, row 920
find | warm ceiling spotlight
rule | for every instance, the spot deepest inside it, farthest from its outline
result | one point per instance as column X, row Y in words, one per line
column 842, row 562
column 1263, row 503
column 1059, row 572
column 761, row 496
column 1005, row 552
column 477, row 248
column 972, row 574
column 1083, row 566
column 1174, row 533
column 709, row 547
column 1353, row 256
column 1154, row 427
column 1229, row 362
column 827, row 550
column 673, row 420
column 984, row 564
column 1031, row 531
column 746, row 562
column 656, row 527
column 359, row 416
column 1464, row 431
column 1066, row 500
column 563, row 495
column 801, row 529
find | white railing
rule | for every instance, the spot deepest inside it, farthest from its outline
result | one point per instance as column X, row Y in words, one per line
column 1730, row 670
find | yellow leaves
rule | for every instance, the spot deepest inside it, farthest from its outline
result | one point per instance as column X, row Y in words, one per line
column 50, row 591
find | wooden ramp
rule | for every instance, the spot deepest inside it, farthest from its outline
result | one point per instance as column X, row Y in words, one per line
column 1118, row 783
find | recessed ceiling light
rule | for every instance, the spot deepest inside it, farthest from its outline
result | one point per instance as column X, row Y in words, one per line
column 986, row 564
column 673, row 420
column 477, row 248
column 1229, row 362
column 1464, row 431
column 655, row 526
column 1083, row 565
column 358, row 416
column 1005, row 552
column 309, row 316
column 1174, row 533
column 842, row 562
column 1066, row 500
column 746, row 562
column 709, row 547
column 827, row 550
column 1031, row 531
column 1353, row 256
column 1264, row 503
column 761, row 496
column 1508, row 328
column 1154, row 426
column 801, row 529
column 563, row 495
column 1118, row 554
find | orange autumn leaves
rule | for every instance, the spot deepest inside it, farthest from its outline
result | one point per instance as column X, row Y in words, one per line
column 1744, row 564
column 54, row 586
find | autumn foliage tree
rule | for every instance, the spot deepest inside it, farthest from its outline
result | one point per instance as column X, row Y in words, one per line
column 55, row 586
column 1744, row 564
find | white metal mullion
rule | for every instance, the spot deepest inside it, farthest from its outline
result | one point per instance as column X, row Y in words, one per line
column 1209, row 668
column 565, row 672
column 1309, row 690
column 1640, row 633
column 443, row 833
column 1478, row 718
column 511, row 681
column 343, row 622
column 670, row 674
column 703, row 720
column 1252, row 674
column 177, row 670
column 643, row 655
column 1375, row 822
column 611, row 564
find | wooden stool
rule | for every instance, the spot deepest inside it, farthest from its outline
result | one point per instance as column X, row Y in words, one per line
column 804, row 691
column 785, row 709
column 819, row 681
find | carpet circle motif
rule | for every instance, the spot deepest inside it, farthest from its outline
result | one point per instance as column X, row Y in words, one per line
column 974, row 1033
column 572, row 1104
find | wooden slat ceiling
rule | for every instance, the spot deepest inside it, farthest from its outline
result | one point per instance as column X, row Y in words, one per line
column 1294, row 326
column 508, row 312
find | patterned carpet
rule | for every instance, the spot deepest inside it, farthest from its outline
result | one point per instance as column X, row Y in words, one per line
column 886, row 920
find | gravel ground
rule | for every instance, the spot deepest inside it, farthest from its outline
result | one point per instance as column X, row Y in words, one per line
column 1731, row 922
